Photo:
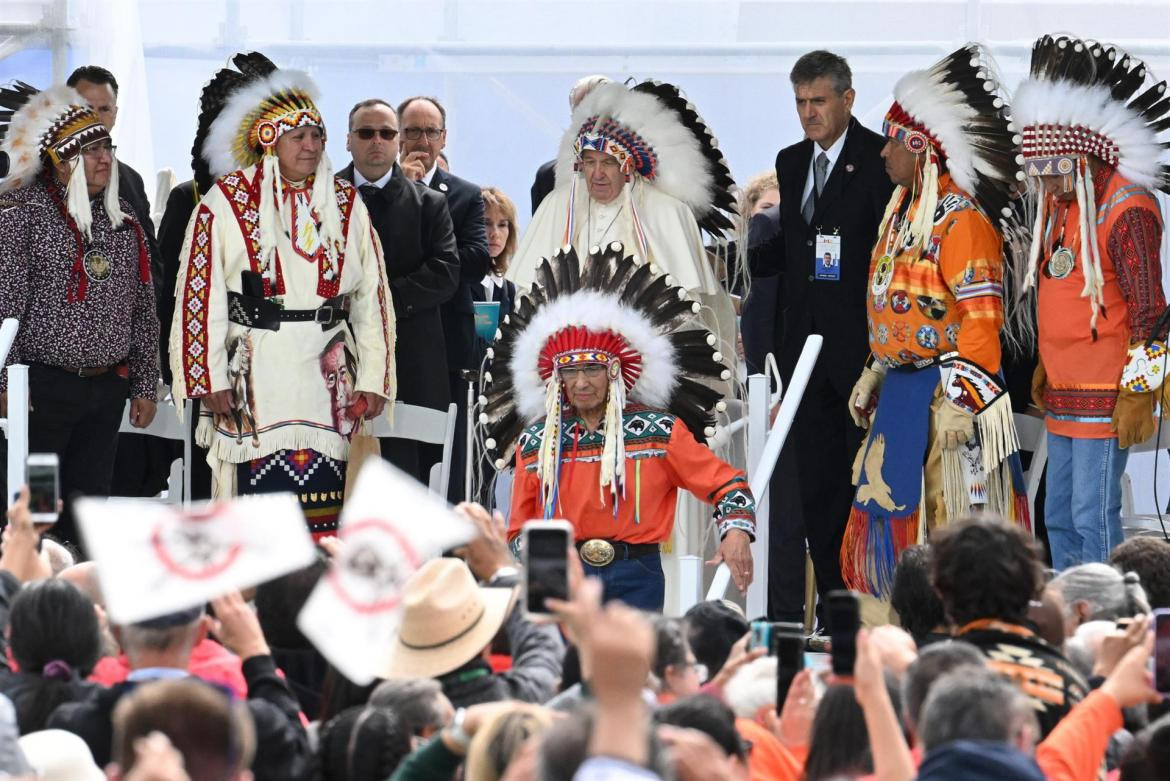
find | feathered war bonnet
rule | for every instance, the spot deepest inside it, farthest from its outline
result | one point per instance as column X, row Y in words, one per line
column 54, row 126
column 244, row 112
column 1086, row 98
column 955, row 113
column 614, row 311
column 660, row 141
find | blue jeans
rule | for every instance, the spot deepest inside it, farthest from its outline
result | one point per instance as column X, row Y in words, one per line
column 638, row 582
column 1082, row 509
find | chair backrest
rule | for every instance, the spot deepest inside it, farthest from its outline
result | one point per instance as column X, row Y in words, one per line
column 423, row 424
column 7, row 336
column 167, row 425
column 1033, row 435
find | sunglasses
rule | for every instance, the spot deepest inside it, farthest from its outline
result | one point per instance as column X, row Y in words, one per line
column 366, row 133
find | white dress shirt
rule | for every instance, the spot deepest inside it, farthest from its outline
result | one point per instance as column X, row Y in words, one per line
column 833, row 153
column 359, row 180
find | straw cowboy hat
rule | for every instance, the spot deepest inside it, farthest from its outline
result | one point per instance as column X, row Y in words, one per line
column 447, row 619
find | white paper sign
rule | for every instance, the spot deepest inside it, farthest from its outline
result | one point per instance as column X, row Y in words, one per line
column 390, row 525
column 155, row 558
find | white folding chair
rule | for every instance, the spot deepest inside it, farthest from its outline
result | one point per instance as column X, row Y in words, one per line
column 166, row 425
column 15, row 426
column 423, row 424
column 1134, row 524
column 1033, row 438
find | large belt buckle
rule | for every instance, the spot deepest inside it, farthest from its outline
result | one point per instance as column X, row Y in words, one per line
column 323, row 315
column 597, row 553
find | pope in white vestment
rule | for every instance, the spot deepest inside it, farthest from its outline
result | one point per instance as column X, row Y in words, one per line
column 613, row 184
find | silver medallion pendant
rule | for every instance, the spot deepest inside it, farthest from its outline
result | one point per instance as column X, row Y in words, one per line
column 1061, row 264
column 97, row 265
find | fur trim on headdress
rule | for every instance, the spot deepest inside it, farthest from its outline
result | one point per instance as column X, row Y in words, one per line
column 43, row 126
column 227, row 147
column 669, row 143
column 962, row 104
column 1086, row 98
column 54, row 126
column 599, row 312
column 612, row 293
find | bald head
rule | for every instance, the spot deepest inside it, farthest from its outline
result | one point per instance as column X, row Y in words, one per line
column 85, row 577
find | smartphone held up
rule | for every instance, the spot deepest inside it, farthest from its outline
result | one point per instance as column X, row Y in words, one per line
column 545, row 546
column 44, row 487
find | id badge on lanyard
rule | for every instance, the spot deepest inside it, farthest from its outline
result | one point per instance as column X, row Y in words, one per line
column 827, row 260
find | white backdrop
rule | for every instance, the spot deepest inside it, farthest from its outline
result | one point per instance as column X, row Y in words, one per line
column 503, row 67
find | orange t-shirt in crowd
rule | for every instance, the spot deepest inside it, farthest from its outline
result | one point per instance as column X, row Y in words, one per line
column 1075, row 749
column 769, row 760
column 1083, row 371
column 662, row 456
column 949, row 298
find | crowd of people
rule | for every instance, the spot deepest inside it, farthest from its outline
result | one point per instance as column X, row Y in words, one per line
column 986, row 253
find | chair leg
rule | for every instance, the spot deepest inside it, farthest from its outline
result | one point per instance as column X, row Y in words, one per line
column 810, row 594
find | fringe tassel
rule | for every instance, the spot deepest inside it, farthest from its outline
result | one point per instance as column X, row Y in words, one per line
column 273, row 215
column 1037, row 243
column 613, row 452
column 922, row 223
column 1090, row 260
column 110, row 200
column 77, row 200
column 225, row 448
column 997, row 433
column 955, row 496
column 550, row 446
column 870, row 551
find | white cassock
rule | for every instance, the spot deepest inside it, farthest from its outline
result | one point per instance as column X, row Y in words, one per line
column 671, row 236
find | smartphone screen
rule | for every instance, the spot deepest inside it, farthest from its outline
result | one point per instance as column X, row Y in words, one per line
column 43, row 487
column 1162, row 650
column 761, row 636
column 788, row 648
column 844, row 619
column 546, row 551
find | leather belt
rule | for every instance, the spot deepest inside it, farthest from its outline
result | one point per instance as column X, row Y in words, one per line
column 85, row 372
column 926, row 362
column 601, row 553
column 255, row 312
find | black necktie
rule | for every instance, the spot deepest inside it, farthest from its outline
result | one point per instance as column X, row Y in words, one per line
column 371, row 193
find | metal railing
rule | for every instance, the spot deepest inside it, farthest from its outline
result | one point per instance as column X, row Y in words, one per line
column 762, row 456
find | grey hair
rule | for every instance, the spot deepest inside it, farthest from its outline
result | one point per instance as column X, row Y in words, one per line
column 821, row 63
column 1109, row 594
column 935, row 661
column 415, row 701
column 973, row 704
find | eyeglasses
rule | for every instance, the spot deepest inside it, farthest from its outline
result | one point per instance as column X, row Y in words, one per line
column 99, row 149
column 366, row 133
column 415, row 133
column 592, row 372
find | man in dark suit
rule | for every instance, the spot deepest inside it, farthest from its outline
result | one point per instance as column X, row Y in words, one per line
column 422, row 264
column 424, row 134
column 833, row 193
column 546, row 177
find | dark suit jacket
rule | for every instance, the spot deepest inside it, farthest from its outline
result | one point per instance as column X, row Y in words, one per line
column 465, row 202
column 422, row 263
column 757, row 322
column 546, row 180
column 171, row 232
column 851, row 205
